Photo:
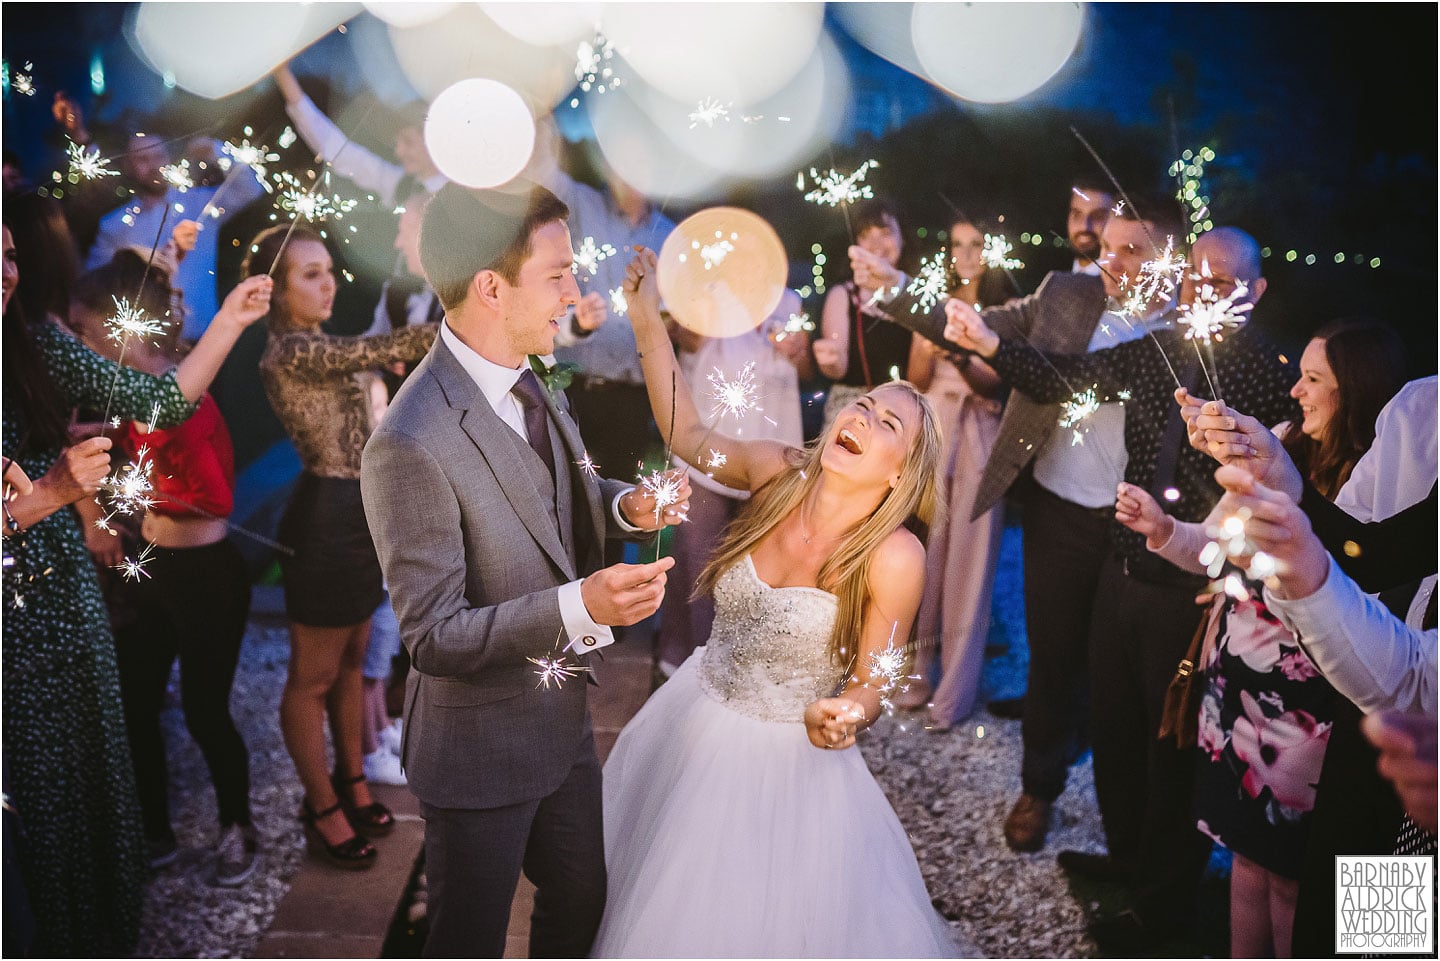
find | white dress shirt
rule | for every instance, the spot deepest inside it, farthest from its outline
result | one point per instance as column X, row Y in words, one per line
column 495, row 383
column 1399, row 468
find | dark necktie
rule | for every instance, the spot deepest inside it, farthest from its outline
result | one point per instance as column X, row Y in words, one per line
column 532, row 398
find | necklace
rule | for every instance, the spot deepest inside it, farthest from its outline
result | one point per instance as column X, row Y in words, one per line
column 804, row 528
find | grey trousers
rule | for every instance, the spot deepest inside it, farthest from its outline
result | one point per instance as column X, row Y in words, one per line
column 473, row 860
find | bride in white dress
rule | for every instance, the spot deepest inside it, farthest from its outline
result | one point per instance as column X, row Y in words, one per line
column 737, row 821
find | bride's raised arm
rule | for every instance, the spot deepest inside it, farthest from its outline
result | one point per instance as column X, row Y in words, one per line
column 741, row 464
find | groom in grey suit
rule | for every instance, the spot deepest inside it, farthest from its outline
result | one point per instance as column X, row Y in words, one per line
column 492, row 538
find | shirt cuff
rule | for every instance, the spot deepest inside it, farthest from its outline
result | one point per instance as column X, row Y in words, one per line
column 625, row 525
column 584, row 633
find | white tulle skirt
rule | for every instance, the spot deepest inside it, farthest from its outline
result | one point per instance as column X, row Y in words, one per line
column 731, row 837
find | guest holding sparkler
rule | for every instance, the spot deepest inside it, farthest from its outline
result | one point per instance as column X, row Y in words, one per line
column 194, row 603
column 1144, row 615
column 961, row 552
column 1262, row 688
column 68, row 764
column 859, row 347
column 720, row 772
column 165, row 197
column 1065, row 490
column 332, row 578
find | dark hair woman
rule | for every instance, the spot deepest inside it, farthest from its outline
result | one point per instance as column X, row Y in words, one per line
column 332, row 575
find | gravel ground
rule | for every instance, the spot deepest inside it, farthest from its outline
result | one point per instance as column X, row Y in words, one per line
column 951, row 791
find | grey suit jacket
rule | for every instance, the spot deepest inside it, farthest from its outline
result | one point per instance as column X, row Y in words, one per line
column 475, row 541
column 1060, row 318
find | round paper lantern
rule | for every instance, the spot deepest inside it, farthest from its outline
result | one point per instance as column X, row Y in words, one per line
column 722, row 271
column 479, row 132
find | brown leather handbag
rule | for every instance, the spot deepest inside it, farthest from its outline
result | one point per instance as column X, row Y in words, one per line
column 1180, row 714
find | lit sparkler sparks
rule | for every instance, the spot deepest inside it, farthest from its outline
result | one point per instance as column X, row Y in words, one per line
column 128, row 321
column 708, row 111
column 589, row 254
column 1210, row 315
column 619, row 305
column 888, row 668
column 587, row 465
column 177, row 175
column 24, row 83
column 311, row 203
column 733, row 398
column 928, row 286
column 1079, row 407
column 592, row 65
column 714, row 254
column 555, row 670
column 1159, row 278
column 287, row 138
column 795, row 324
column 997, row 253
column 717, row 459
column 253, row 156
column 835, row 188
column 664, row 488
column 129, row 489
column 90, row 166
column 133, row 568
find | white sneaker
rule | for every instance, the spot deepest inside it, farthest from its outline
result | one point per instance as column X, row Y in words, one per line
column 391, row 736
column 383, row 767
column 235, row 856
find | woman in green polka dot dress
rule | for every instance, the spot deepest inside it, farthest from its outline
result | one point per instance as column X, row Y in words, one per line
column 67, row 762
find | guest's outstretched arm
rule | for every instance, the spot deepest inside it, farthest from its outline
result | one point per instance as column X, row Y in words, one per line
column 742, row 464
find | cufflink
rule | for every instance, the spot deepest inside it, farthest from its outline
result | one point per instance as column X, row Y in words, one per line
column 589, row 640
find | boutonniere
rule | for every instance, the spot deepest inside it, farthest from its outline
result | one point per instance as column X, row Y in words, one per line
column 555, row 378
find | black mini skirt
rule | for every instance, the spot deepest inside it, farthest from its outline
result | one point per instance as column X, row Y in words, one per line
column 333, row 579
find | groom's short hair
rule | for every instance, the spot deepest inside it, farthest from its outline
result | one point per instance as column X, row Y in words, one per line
column 467, row 230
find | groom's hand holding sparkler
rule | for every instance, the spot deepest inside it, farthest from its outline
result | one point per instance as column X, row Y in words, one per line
column 625, row 594
column 1240, row 440
column 591, row 312
column 964, row 326
column 661, row 501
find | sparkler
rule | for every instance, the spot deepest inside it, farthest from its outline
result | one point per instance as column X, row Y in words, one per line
column 592, row 65
column 589, row 255
column 555, row 670
column 795, row 324
column 89, row 166
column 133, row 568
column 618, row 304
column 24, row 83
column 177, row 175
column 253, row 156
column 708, row 111
column 1210, row 315
column 664, row 488
column 130, row 490
column 928, row 286
column 714, row 254
column 733, row 398
column 587, row 465
column 997, row 253
column 835, row 189
column 888, row 666
column 717, row 459
column 299, row 201
column 1073, row 412
column 128, row 321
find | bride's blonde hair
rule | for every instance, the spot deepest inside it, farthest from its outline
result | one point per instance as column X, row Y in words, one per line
column 845, row 571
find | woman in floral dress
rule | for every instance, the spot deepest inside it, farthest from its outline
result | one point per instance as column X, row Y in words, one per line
column 67, row 762
column 1267, row 713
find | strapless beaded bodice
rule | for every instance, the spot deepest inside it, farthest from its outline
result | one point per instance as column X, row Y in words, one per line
column 767, row 657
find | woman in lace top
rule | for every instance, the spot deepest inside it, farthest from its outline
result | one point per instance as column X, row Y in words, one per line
column 331, row 574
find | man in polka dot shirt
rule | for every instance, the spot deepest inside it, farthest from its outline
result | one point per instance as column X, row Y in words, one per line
column 1144, row 612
